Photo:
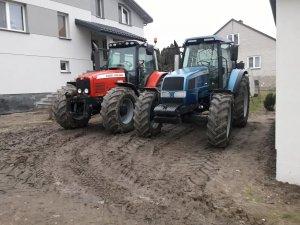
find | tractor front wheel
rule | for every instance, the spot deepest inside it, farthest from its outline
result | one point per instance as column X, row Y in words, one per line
column 61, row 113
column 117, row 110
column 241, row 104
column 144, row 116
column 220, row 119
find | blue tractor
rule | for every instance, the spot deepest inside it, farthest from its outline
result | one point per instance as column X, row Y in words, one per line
column 210, row 82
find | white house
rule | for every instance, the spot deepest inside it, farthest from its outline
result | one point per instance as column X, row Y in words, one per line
column 44, row 44
column 287, row 17
column 256, row 49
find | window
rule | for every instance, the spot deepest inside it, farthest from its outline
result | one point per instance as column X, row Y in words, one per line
column 203, row 54
column 99, row 8
column 235, row 38
column 254, row 62
column 147, row 65
column 64, row 66
column 226, row 63
column 12, row 16
column 63, row 25
column 124, row 58
column 124, row 15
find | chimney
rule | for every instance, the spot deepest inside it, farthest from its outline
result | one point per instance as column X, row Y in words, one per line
column 241, row 21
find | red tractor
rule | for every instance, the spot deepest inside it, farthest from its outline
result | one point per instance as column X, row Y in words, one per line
column 132, row 67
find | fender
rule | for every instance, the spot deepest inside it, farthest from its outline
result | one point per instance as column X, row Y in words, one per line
column 235, row 79
column 129, row 85
column 155, row 89
column 72, row 83
column 154, row 78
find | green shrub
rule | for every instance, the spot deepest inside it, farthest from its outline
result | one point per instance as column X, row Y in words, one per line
column 270, row 101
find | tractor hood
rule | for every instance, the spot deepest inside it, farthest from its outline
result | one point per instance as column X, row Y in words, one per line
column 104, row 74
column 187, row 72
column 180, row 79
column 97, row 83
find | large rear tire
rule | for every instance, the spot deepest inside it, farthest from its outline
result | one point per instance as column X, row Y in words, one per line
column 117, row 110
column 241, row 104
column 220, row 119
column 60, row 110
column 144, row 115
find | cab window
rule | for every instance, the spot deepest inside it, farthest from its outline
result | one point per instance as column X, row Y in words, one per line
column 226, row 63
column 146, row 65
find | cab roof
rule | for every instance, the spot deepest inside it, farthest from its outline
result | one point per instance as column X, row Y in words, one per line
column 202, row 39
column 128, row 43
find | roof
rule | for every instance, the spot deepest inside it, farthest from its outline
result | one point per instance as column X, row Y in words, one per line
column 100, row 28
column 251, row 28
column 214, row 37
column 273, row 6
column 139, row 10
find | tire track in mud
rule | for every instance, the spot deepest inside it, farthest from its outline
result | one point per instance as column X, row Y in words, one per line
column 22, row 158
column 114, row 162
column 23, row 153
column 148, row 173
column 162, row 180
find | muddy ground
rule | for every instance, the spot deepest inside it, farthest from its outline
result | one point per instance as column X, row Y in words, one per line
column 49, row 175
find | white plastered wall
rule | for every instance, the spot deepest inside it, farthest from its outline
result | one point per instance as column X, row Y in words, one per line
column 288, row 96
column 30, row 63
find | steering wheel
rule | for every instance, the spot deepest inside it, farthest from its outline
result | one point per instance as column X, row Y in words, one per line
column 203, row 63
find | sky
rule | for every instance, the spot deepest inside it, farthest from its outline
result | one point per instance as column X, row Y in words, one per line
column 181, row 19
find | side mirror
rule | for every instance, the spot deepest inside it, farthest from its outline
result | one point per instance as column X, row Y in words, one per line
column 234, row 53
column 240, row 65
column 149, row 49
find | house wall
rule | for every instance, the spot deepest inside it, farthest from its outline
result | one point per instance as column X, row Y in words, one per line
column 111, row 17
column 255, row 44
column 30, row 61
column 287, row 101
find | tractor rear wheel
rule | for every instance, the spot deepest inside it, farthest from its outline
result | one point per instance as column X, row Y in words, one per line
column 241, row 104
column 144, row 115
column 60, row 110
column 117, row 110
column 220, row 119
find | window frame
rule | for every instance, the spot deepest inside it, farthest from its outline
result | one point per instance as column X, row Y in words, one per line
column 233, row 40
column 8, row 19
column 100, row 9
column 254, row 64
column 121, row 13
column 67, row 64
column 66, row 16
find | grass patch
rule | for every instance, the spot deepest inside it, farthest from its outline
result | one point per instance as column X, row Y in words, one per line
column 291, row 217
column 252, row 195
column 257, row 103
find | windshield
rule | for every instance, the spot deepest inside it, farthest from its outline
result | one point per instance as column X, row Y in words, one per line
column 203, row 54
column 122, row 58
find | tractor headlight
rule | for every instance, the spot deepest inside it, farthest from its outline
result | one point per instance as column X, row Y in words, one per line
column 79, row 91
column 180, row 94
column 86, row 91
column 165, row 94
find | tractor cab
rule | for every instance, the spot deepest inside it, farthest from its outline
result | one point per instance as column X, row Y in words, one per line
column 137, row 59
column 218, row 55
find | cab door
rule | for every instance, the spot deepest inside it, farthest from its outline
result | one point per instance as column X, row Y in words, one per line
column 226, row 63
